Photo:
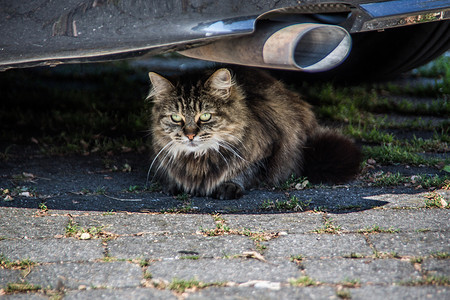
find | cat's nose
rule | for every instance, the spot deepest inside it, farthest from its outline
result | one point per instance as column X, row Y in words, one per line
column 190, row 136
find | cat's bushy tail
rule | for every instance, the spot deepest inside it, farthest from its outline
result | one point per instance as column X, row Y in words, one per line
column 330, row 157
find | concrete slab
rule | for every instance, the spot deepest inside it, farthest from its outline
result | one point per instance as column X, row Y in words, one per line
column 397, row 219
column 317, row 245
column 412, row 243
column 52, row 250
column 119, row 294
column 129, row 224
column 176, row 246
column 224, row 270
column 366, row 271
column 84, row 275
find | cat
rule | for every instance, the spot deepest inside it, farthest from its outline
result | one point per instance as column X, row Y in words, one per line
column 218, row 133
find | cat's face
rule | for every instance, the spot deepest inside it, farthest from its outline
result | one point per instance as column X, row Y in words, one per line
column 197, row 117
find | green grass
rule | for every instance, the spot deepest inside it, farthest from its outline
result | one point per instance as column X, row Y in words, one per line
column 303, row 281
column 433, row 280
column 190, row 257
column 328, row 228
column 378, row 229
column 436, row 200
column 440, row 255
column 180, row 285
column 292, row 204
column 21, row 287
column 22, row 264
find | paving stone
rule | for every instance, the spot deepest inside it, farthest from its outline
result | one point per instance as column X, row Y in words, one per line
column 397, row 197
column 400, row 292
column 355, row 198
column 365, row 270
column 156, row 247
column 411, row 243
column 52, row 250
column 439, row 267
column 231, row 293
column 74, row 275
column 119, row 294
column 9, row 276
column 403, row 220
column 224, row 270
column 20, row 223
column 278, row 222
column 149, row 223
column 317, row 245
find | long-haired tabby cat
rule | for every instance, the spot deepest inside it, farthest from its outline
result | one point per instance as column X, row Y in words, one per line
column 219, row 133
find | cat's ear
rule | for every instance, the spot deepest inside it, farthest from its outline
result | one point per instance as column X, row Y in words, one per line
column 220, row 83
column 160, row 85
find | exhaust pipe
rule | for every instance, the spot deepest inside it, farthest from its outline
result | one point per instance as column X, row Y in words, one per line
column 307, row 47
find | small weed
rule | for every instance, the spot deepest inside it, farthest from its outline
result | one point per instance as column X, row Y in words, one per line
column 440, row 255
column 182, row 197
column 298, row 183
column 378, row 229
column 427, row 181
column 180, row 286
column 416, row 260
column 303, row 281
column 23, row 264
column 221, row 227
column 144, row 263
column 72, row 228
column 388, row 179
column 428, row 280
column 148, row 275
column 328, row 228
column 183, row 209
column 100, row 190
column 354, row 255
column 296, row 258
column 350, row 283
column 43, row 206
column 109, row 213
column 94, row 232
column 344, row 294
column 153, row 187
column 134, row 189
column 21, row 287
column 292, row 204
column 435, row 200
column 383, row 255
column 191, row 257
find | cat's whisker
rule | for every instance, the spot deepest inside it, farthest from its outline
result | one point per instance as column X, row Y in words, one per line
column 157, row 155
column 226, row 161
column 171, row 158
column 236, row 138
column 229, row 147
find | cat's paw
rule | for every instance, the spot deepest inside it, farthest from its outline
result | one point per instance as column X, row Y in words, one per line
column 227, row 191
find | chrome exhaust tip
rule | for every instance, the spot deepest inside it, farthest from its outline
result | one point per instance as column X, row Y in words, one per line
column 306, row 47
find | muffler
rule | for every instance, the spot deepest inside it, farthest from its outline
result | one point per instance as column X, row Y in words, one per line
column 307, row 47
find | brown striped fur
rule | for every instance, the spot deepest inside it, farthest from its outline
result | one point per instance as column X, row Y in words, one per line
column 258, row 131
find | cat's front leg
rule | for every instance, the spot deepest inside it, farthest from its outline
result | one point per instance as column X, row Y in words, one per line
column 228, row 190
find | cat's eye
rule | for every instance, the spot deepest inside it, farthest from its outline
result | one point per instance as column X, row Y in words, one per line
column 176, row 118
column 205, row 117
